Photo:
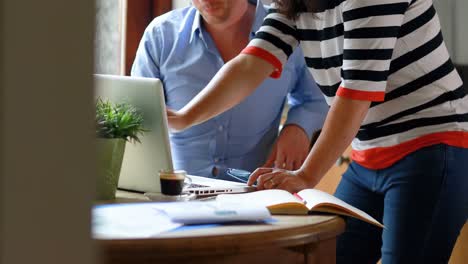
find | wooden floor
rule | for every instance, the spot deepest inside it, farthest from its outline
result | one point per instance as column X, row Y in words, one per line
column 460, row 252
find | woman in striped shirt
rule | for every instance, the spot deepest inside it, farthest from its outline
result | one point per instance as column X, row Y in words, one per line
column 393, row 92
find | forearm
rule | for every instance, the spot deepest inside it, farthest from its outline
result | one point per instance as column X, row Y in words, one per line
column 235, row 81
column 341, row 126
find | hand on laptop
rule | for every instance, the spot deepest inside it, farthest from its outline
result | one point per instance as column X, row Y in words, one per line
column 271, row 178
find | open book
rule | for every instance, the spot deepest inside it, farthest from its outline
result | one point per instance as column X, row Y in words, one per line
column 303, row 202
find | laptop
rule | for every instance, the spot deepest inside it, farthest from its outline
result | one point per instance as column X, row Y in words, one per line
column 142, row 161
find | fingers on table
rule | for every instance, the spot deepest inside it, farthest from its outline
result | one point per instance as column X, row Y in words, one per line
column 270, row 180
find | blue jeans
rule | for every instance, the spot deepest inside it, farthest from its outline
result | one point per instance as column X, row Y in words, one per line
column 422, row 201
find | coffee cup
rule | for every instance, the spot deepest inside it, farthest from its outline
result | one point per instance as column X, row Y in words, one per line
column 173, row 181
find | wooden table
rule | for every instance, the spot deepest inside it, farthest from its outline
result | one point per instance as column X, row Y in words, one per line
column 289, row 239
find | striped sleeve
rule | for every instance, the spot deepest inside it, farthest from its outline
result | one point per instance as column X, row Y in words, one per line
column 274, row 42
column 370, row 33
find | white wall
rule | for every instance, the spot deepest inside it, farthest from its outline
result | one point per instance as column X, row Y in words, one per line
column 445, row 9
column 180, row 3
column 452, row 14
column 107, row 53
column 460, row 37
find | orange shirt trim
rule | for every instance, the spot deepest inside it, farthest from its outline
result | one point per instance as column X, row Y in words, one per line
column 360, row 95
column 261, row 53
column 383, row 157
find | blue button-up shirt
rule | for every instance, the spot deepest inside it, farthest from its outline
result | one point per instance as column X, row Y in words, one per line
column 178, row 50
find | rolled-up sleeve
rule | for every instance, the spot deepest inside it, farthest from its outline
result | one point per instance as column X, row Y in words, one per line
column 274, row 42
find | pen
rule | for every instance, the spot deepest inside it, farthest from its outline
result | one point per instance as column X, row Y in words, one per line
column 300, row 198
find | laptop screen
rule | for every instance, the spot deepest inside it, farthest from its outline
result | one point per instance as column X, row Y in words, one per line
column 141, row 162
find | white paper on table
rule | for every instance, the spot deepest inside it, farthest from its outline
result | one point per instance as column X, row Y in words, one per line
column 128, row 221
column 213, row 212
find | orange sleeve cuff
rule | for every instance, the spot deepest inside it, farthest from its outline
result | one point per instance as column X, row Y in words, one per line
column 360, row 95
column 267, row 56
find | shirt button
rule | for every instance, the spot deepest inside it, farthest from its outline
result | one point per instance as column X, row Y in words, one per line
column 220, row 128
column 214, row 171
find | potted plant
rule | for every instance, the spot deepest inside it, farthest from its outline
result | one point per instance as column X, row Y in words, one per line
column 115, row 125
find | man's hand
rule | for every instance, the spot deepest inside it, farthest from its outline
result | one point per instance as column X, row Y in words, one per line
column 176, row 121
column 290, row 150
column 291, row 181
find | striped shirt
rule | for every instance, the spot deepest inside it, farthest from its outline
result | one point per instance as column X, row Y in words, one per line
column 390, row 52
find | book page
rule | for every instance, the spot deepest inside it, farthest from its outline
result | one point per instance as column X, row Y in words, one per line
column 277, row 201
column 317, row 200
column 265, row 198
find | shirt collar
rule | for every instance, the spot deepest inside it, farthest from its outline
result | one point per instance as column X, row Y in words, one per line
column 196, row 25
column 260, row 13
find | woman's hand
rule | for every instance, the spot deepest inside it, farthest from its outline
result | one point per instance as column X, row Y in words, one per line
column 291, row 181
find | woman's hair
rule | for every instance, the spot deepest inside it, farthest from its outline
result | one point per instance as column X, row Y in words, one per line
column 292, row 8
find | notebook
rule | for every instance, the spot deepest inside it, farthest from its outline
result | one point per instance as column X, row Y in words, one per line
column 142, row 162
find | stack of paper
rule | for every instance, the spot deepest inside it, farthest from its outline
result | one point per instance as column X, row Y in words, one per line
column 143, row 220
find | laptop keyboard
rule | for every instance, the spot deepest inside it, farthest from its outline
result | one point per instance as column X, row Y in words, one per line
column 194, row 185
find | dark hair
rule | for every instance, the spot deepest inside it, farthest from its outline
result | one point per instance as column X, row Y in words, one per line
column 292, row 8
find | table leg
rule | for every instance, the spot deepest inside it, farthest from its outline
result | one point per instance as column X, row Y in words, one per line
column 323, row 252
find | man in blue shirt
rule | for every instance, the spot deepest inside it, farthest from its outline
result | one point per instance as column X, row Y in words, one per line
column 186, row 47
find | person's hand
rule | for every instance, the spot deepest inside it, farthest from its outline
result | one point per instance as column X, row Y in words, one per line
column 290, row 150
column 291, row 181
column 176, row 121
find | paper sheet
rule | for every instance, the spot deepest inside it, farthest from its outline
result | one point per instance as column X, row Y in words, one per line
column 126, row 221
column 213, row 212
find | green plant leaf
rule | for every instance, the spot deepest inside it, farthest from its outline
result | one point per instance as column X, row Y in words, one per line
column 120, row 120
